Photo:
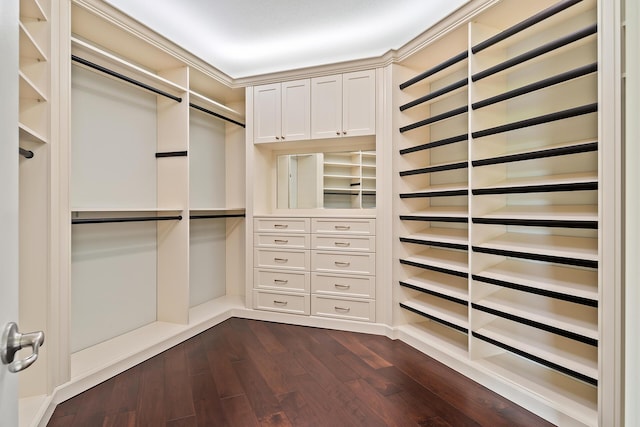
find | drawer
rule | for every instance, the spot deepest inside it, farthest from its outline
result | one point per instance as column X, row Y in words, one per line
column 343, row 262
column 281, row 225
column 287, row 259
column 343, row 226
column 283, row 302
column 276, row 240
column 343, row 243
column 343, row 308
column 346, row 286
column 292, row 281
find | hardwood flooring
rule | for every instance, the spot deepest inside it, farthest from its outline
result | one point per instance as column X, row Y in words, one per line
column 252, row 373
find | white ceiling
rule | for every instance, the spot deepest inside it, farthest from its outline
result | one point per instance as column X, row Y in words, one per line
column 250, row 37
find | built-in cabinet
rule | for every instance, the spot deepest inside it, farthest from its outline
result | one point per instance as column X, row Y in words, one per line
column 319, row 266
column 343, row 105
column 497, row 171
column 282, row 111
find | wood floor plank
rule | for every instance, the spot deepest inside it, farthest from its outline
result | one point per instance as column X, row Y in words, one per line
column 150, row 402
column 176, row 380
column 252, row 373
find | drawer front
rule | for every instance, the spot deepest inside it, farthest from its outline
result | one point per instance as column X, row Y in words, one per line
column 286, row 303
column 343, row 226
column 287, row 259
column 342, row 308
column 281, row 225
column 346, row 286
column 292, row 281
column 343, row 262
column 276, row 240
column 343, row 243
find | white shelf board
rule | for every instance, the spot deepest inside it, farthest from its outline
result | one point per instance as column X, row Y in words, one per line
column 455, row 287
column 433, row 334
column 326, row 175
column 32, row 9
column 575, row 318
column 513, row 152
column 215, row 106
column 442, row 258
column 29, row 90
column 448, row 211
column 573, row 178
column 122, row 210
column 26, row 133
column 582, row 283
column 29, row 46
column 218, row 210
column 565, row 352
column 340, row 164
column 567, row 395
column 456, row 314
column 583, row 248
column 546, row 212
column 440, row 187
column 444, row 235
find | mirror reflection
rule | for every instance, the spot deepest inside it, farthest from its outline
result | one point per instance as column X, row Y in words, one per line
column 340, row 180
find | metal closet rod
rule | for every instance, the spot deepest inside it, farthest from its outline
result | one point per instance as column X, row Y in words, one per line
column 28, row 154
column 217, row 216
column 123, row 77
column 220, row 116
column 127, row 219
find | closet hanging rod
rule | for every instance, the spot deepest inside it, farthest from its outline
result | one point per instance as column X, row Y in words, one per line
column 217, row 216
column 27, row 154
column 523, row 25
column 220, row 116
column 127, row 219
column 123, row 77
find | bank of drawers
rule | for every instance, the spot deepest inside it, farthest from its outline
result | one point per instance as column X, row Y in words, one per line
column 318, row 266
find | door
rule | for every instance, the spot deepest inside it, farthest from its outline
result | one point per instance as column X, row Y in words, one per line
column 326, row 107
column 8, row 197
column 267, row 113
column 359, row 103
column 296, row 114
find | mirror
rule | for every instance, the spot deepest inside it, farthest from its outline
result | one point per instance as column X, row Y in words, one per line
column 337, row 180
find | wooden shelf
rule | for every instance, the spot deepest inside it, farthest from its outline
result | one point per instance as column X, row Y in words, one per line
column 436, row 168
column 31, row 9
column 555, row 281
column 28, row 134
column 580, row 251
column 451, row 64
column 559, row 353
column 578, row 322
column 542, row 184
column 444, row 312
column 540, row 153
column 568, row 216
column 441, row 260
column 29, row 47
column 29, row 90
column 454, row 288
column 448, row 236
column 443, row 190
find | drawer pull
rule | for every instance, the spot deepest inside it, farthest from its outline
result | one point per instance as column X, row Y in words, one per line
column 342, row 227
column 342, row 309
column 280, row 225
column 280, row 242
column 340, row 286
column 280, row 281
column 276, row 302
column 342, row 264
column 342, row 244
column 281, row 259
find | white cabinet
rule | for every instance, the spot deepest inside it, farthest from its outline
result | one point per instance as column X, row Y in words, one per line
column 343, row 105
column 282, row 111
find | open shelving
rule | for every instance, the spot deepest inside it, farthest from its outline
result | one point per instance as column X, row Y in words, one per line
column 498, row 176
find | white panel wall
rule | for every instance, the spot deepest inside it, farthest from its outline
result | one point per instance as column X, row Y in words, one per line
column 207, row 260
column 113, row 143
column 206, row 161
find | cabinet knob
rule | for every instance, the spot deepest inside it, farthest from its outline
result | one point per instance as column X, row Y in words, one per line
column 338, row 133
column 282, row 138
column 277, row 138
column 344, row 132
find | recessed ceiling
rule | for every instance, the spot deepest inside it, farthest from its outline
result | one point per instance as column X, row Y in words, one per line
column 250, row 37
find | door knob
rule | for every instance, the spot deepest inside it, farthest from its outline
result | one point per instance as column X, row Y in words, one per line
column 13, row 341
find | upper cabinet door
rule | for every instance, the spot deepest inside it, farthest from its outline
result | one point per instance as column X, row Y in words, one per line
column 267, row 113
column 359, row 103
column 296, row 111
column 326, row 107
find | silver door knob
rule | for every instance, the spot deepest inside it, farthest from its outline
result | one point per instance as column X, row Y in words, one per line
column 13, row 341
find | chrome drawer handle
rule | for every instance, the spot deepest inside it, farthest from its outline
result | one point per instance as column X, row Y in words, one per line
column 280, row 242
column 342, row 264
column 342, row 244
column 342, row 227
column 280, row 225
column 343, row 309
column 276, row 302
column 280, row 281
column 340, row 286
column 281, row 259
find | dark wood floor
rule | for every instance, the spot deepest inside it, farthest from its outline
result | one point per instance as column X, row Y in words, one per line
column 247, row 373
